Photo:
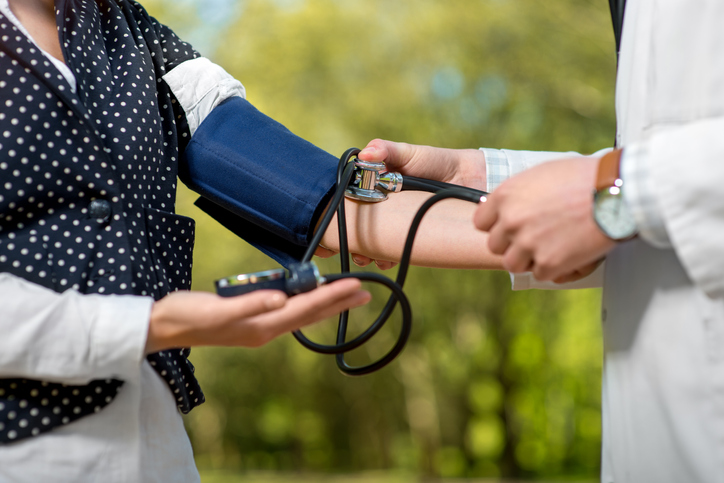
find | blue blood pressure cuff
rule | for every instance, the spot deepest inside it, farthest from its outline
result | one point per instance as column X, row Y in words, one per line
column 258, row 179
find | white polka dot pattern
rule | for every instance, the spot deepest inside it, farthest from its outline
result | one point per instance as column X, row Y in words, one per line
column 87, row 185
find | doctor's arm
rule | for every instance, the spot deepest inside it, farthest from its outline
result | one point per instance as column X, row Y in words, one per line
column 487, row 169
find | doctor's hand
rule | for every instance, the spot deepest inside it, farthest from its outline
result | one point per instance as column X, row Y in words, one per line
column 465, row 167
column 187, row 319
column 541, row 221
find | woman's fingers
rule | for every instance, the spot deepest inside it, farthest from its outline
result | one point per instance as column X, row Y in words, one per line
column 251, row 304
column 314, row 306
column 361, row 260
column 184, row 319
column 385, row 265
column 324, row 252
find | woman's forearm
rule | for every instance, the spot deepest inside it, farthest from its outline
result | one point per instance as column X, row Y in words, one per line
column 446, row 237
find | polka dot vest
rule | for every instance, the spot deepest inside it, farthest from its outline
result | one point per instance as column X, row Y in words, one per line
column 87, row 185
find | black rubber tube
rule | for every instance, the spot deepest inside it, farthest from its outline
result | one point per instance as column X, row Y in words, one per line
column 345, row 173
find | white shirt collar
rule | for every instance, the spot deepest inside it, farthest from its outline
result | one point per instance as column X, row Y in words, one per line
column 64, row 69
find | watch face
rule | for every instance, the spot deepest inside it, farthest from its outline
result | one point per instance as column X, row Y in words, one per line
column 613, row 215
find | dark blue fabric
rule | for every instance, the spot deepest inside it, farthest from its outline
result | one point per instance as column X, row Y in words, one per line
column 115, row 141
column 265, row 184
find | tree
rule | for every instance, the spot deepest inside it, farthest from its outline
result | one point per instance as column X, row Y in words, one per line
column 492, row 382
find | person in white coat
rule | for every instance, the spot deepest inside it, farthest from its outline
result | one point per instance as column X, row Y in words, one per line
column 657, row 219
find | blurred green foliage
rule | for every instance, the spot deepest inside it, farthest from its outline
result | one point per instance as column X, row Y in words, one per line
column 493, row 382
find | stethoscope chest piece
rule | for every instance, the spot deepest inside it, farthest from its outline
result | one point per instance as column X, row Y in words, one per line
column 368, row 182
column 372, row 181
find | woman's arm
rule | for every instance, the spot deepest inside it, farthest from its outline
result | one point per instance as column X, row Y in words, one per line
column 73, row 338
column 188, row 319
column 446, row 237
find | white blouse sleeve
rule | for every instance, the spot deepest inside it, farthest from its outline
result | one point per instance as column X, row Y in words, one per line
column 70, row 338
column 199, row 86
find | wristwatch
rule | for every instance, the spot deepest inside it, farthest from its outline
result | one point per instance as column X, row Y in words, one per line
column 610, row 210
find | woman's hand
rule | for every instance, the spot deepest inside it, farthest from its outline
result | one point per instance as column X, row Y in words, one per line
column 186, row 319
column 359, row 260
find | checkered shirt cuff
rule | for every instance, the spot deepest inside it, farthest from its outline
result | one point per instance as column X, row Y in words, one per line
column 497, row 168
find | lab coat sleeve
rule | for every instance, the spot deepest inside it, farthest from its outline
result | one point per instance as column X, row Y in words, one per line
column 684, row 166
column 501, row 164
column 70, row 338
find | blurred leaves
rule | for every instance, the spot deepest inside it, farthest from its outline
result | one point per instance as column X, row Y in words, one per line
column 493, row 382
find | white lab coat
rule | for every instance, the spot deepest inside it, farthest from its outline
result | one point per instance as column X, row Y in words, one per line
column 663, row 297
column 663, row 308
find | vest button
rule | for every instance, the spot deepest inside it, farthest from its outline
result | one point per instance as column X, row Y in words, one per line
column 100, row 210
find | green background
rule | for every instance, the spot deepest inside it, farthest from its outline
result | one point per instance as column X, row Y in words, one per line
column 493, row 383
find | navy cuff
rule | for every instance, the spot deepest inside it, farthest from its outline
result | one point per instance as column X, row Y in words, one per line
column 258, row 179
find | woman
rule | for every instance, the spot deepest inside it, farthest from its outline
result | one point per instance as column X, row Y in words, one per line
column 100, row 102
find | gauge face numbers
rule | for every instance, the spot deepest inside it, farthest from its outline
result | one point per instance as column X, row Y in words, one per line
column 612, row 214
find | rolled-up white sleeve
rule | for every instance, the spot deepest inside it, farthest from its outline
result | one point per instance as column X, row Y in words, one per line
column 640, row 195
column 70, row 338
column 199, row 85
column 501, row 164
column 676, row 177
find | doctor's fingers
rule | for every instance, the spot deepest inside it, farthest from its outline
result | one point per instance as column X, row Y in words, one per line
column 550, row 265
column 413, row 160
column 518, row 259
column 394, row 155
column 486, row 214
column 487, row 218
column 579, row 273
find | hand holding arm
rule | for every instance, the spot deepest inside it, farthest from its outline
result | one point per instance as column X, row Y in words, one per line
column 446, row 239
column 465, row 167
column 541, row 221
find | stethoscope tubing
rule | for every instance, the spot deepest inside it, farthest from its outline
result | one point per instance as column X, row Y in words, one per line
column 345, row 172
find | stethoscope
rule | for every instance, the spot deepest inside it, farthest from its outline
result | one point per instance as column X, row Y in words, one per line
column 368, row 182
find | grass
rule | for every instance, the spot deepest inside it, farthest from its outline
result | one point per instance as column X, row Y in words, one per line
column 225, row 476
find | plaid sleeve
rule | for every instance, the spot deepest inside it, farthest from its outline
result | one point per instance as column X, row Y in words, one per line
column 497, row 168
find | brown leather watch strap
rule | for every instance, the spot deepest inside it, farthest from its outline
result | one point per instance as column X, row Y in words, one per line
column 608, row 169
